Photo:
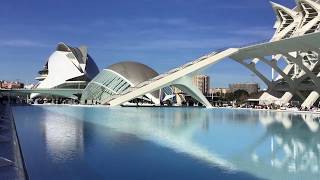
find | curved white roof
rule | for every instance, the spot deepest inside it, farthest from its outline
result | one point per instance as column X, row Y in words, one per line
column 133, row 71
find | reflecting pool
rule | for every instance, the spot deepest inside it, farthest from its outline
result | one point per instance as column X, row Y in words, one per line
column 74, row 142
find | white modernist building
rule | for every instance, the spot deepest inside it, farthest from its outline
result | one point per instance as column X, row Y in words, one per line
column 299, row 79
column 120, row 77
column 67, row 68
column 295, row 42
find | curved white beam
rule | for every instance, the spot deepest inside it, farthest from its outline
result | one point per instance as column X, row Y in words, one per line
column 170, row 78
column 252, row 68
column 185, row 84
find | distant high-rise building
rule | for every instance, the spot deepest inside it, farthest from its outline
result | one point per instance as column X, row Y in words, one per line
column 203, row 83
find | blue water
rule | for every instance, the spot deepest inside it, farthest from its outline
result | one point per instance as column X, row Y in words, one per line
column 65, row 142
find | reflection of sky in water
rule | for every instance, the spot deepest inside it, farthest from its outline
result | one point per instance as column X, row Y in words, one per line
column 64, row 139
column 265, row 144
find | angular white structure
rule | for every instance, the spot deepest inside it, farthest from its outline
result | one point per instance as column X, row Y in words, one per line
column 181, row 76
column 67, row 67
column 299, row 80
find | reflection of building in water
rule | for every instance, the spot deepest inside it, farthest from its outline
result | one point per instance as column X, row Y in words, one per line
column 64, row 137
column 287, row 145
column 294, row 142
column 267, row 118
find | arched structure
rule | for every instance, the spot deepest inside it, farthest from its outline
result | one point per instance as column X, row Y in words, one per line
column 118, row 78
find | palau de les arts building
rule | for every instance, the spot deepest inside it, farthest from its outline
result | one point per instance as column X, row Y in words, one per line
column 70, row 67
column 67, row 67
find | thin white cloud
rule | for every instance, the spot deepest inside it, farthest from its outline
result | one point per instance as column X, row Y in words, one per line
column 254, row 31
column 120, row 22
column 170, row 44
column 22, row 43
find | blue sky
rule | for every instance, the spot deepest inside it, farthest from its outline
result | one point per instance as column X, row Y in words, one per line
column 160, row 33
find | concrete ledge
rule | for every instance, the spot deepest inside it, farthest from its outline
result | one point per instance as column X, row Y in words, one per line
column 11, row 159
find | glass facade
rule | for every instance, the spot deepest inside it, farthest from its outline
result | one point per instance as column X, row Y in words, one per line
column 104, row 85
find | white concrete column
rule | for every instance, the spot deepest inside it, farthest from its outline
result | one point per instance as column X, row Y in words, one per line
column 286, row 97
column 311, row 99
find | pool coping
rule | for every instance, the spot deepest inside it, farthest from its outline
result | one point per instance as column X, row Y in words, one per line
column 16, row 169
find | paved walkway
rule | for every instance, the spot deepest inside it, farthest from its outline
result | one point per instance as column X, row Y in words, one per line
column 11, row 162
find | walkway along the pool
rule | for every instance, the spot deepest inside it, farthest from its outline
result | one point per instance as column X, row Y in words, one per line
column 11, row 159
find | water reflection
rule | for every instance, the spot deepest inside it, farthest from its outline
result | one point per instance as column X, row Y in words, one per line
column 64, row 137
column 295, row 143
column 288, row 149
column 272, row 145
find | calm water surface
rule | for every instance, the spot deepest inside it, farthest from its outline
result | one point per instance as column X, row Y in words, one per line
column 67, row 142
